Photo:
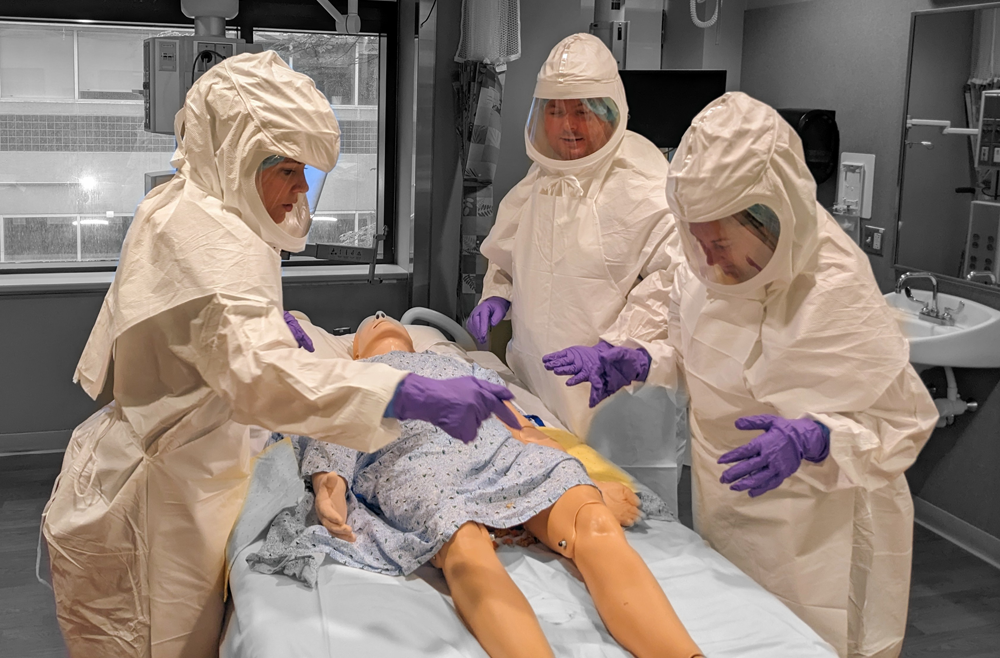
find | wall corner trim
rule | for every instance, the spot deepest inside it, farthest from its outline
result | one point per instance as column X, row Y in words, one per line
column 961, row 533
column 34, row 442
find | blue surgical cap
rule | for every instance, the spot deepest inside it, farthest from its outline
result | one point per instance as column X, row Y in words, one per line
column 270, row 161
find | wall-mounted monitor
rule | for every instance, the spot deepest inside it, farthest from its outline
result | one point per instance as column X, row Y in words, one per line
column 661, row 104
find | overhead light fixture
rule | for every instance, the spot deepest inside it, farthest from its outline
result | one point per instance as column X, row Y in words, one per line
column 94, row 222
column 88, row 183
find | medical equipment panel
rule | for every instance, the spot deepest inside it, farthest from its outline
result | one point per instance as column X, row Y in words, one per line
column 988, row 151
column 170, row 67
column 981, row 243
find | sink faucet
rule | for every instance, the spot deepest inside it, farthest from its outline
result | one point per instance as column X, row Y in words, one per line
column 900, row 287
column 991, row 279
column 930, row 311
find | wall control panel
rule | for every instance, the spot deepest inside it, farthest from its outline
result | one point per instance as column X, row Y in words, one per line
column 988, row 151
column 981, row 243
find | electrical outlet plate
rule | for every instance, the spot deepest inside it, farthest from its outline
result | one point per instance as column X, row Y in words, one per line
column 873, row 240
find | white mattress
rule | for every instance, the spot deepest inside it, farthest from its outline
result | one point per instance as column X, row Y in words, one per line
column 356, row 613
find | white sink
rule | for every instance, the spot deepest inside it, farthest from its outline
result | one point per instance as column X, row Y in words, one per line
column 972, row 342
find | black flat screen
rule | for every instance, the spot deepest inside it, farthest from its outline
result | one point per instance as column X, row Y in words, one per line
column 661, row 104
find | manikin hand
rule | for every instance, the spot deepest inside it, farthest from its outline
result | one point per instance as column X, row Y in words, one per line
column 621, row 501
column 331, row 504
column 531, row 434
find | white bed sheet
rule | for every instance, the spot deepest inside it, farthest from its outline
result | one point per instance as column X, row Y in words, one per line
column 356, row 613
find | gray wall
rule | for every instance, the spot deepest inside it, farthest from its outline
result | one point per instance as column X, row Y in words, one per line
column 44, row 334
column 543, row 25
column 688, row 46
column 850, row 56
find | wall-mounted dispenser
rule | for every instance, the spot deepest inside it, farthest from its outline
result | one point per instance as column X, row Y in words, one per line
column 855, row 183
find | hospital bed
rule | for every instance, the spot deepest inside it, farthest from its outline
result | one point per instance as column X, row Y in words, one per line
column 352, row 612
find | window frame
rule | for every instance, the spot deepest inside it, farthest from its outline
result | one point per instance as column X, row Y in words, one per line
column 378, row 18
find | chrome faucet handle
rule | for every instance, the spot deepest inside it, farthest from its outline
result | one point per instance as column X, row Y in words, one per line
column 949, row 312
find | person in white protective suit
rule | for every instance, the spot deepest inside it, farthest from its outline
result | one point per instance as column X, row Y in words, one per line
column 776, row 323
column 576, row 235
column 202, row 357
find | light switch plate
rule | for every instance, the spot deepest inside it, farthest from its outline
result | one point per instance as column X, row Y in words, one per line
column 872, row 240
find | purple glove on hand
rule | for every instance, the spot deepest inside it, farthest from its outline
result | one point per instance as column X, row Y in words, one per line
column 458, row 406
column 299, row 333
column 767, row 460
column 606, row 367
column 485, row 316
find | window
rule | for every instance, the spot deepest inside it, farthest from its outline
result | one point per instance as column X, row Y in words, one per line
column 72, row 148
column 73, row 152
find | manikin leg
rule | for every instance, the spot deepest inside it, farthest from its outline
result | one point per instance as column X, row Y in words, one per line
column 629, row 599
column 487, row 599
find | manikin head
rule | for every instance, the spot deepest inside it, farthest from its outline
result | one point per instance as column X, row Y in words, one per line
column 280, row 181
column 379, row 334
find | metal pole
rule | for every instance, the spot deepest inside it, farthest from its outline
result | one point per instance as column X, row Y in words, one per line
column 76, row 65
column 357, row 66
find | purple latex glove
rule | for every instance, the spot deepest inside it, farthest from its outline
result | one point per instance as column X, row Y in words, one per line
column 606, row 367
column 583, row 363
column 768, row 459
column 622, row 366
column 458, row 406
column 485, row 316
column 301, row 337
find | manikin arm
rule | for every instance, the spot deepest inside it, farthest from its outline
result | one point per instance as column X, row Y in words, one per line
column 331, row 504
column 330, row 467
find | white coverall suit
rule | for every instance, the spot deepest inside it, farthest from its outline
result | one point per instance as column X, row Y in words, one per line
column 151, row 484
column 810, row 336
column 574, row 237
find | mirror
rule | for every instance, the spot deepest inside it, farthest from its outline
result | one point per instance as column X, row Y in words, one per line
column 954, row 58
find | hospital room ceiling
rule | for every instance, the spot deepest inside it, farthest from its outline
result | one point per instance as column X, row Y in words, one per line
column 277, row 14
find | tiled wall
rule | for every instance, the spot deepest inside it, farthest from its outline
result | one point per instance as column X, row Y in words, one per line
column 358, row 136
column 69, row 132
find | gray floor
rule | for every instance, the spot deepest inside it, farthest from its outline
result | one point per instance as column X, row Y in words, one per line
column 954, row 598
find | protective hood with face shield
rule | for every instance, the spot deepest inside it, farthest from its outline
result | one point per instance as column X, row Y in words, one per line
column 578, row 115
column 583, row 227
column 242, row 113
column 194, row 332
column 778, row 323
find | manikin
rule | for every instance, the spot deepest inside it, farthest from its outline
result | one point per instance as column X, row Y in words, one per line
column 580, row 525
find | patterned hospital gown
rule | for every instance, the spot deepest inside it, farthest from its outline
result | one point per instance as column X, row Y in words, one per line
column 406, row 500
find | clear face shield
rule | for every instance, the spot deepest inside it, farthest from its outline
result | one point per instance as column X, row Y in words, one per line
column 734, row 249
column 571, row 128
column 282, row 183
